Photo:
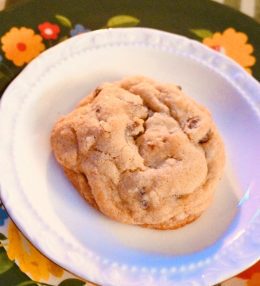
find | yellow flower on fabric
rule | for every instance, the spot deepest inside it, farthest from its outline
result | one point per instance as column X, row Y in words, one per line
column 21, row 45
column 233, row 44
column 29, row 259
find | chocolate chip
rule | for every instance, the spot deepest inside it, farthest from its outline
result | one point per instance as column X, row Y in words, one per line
column 179, row 87
column 150, row 113
column 165, row 139
column 144, row 204
column 206, row 138
column 177, row 196
column 151, row 145
column 134, row 129
column 135, row 124
column 97, row 91
column 142, row 192
column 193, row 122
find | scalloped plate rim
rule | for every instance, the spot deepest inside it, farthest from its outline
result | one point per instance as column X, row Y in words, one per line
column 146, row 31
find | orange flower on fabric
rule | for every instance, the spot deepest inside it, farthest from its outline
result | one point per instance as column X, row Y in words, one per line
column 233, row 44
column 254, row 281
column 248, row 273
column 49, row 31
column 21, row 45
column 29, row 259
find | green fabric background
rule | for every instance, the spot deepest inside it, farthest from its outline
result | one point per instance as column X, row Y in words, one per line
column 177, row 16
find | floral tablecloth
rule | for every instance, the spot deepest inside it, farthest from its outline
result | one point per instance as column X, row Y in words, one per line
column 31, row 27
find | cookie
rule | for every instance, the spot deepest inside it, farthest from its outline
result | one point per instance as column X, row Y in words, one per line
column 141, row 152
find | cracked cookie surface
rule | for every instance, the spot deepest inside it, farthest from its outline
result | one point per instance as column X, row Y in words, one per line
column 141, row 152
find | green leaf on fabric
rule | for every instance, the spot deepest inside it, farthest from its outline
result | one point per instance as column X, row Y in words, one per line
column 62, row 39
column 26, row 283
column 63, row 21
column 2, row 75
column 72, row 282
column 202, row 33
column 13, row 275
column 5, row 263
column 2, row 236
column 122, row 21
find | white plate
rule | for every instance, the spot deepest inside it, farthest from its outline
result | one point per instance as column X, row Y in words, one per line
column 224, row 241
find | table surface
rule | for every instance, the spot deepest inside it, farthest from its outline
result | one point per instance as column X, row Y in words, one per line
column 14, row 248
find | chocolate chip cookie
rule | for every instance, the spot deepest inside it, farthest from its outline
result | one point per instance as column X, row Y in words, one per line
column 141, row 152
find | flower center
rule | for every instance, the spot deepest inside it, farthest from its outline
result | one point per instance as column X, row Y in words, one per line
column 48, row 31
column 218, row 49
column 21, row 47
